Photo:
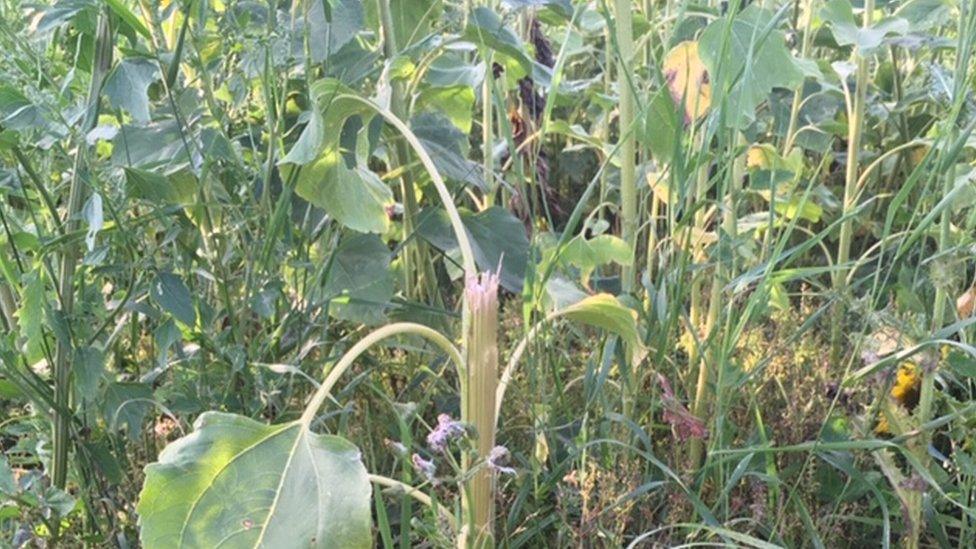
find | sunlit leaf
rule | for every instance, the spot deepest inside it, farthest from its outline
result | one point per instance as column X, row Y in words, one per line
column 355, row 197
column 604, row 311
column 237, row 483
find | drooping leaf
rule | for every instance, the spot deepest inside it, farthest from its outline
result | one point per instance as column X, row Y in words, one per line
column 456, row 103
column 450, row 69
column 63, row 12
column 18, row 112
column 153, row 145
column 290, row 487
column 447, row 147
column 8, row 486
column 495, row 234
column 331, row 108
column 924, row 14
column 355, row 197
column 604, row 311
column 95, row 218
column 359, row 282
column 327, row 33
column 127, row 86
column 588, row 254
column 170, row 293
column 662, row 127
column 413, row 19
column 754, row 62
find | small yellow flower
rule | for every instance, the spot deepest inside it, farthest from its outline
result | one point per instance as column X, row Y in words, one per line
column 905, row 390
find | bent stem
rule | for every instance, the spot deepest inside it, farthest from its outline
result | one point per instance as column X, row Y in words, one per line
column 416, row 494
column 365, row 343
column 464, row 244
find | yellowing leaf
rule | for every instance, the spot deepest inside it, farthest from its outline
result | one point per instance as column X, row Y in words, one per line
column 688, row 80
column 604, row 311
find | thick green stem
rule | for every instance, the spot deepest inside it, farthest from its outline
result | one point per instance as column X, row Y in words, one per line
column 76, row 197
column 628, row 180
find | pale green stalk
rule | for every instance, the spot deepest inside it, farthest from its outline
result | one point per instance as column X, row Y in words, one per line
column 855, row 126
column 361, row 346
column 628, row 179
column 721, row 275
column 481, row 296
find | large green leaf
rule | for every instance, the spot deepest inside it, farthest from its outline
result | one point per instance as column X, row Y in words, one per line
column 447, row 147
column 128, row 84
column 496, row 237
column 412, row 19
column 159, row 189
column 604, row 311
column 662, row 127
column 360, row 283
column 238, row 483
column 332, row 107
column 30, row 316
column 753, row 62
column 125, row 406
column 355, row 197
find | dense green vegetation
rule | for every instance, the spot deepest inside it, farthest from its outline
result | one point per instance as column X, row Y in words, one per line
column 517, row 273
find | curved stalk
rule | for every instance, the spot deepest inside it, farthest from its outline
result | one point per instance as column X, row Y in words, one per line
column 365, row 343
column 416, row 494
column 467, row 255
column 514, row 359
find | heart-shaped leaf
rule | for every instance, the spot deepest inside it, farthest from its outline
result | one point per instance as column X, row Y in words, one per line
column 238, row 483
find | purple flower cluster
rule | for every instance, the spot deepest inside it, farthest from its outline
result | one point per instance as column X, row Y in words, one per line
column 447, row 430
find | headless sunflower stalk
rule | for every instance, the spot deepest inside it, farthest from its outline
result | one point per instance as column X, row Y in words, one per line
column 481, row 300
